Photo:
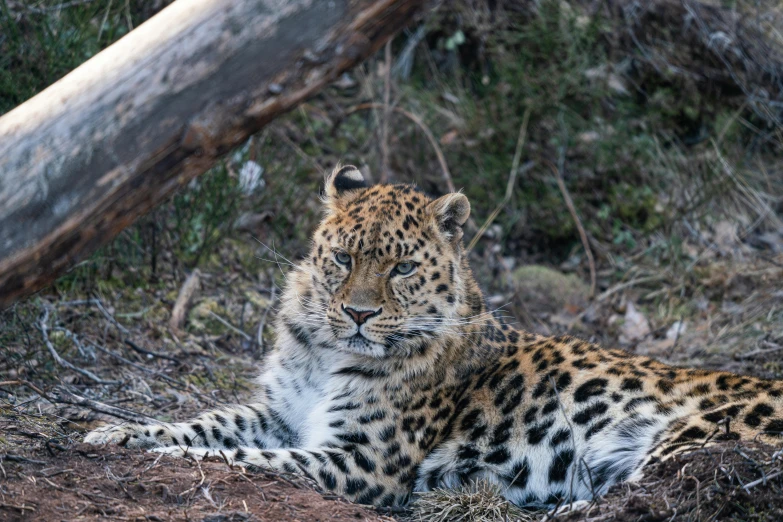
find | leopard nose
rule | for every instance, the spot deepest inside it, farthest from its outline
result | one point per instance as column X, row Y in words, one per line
column 360, row 316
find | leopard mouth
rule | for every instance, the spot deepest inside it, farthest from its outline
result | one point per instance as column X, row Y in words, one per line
column 358, row 343
column 358, row 337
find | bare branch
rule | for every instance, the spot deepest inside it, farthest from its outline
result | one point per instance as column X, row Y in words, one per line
column 43, row 328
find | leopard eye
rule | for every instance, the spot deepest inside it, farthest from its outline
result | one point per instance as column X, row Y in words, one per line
column 404, row 268
column 343, row 258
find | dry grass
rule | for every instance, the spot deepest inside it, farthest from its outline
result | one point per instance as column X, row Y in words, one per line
column 475, row 502
column 728, row 481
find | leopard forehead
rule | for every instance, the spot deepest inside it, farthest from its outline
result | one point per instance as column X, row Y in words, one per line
column 383, row 222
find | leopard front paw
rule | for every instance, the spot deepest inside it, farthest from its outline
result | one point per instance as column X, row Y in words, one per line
column 128, row 436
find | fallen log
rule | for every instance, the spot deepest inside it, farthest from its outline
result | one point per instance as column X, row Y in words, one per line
column 86, row 157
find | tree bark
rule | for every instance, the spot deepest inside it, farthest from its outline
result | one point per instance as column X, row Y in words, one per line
column 99, row 148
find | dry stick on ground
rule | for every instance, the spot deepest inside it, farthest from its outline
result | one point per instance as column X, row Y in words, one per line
column 97, row 303
column 21, row 508
column 109, row 317
column 184, row 298
column 230, row 326
column 67, row 397
column 627, row 284
column 262, row 323
column 44, row 329
column 386, row 113
column 76, row 400
column 582, row 234
column 187, row 387
column 512, row 180
column 427, row 133
column 139, row 366
column 137, row 348
column 749, row 355
column 763, row 480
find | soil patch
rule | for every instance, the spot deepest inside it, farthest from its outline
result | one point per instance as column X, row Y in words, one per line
column 85, row 482
column 728, row 481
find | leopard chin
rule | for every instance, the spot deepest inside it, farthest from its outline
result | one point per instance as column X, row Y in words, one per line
column 360, row 345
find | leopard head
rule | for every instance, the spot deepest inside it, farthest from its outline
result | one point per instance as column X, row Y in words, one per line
column 386, row 267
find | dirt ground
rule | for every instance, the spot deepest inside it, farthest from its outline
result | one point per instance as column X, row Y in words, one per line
column 723, row 482
column 82, row 482
column 127, row 363
column 47, row 474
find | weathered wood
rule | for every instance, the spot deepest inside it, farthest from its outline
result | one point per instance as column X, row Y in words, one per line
column 96, row 150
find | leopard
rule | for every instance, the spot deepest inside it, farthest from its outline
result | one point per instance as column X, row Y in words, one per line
column 389, row 376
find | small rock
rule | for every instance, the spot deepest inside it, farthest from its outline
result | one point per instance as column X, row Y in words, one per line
column 250, row 177
column 676, row 330
column 727, row 236
column 509, row 262
column 252, row 221
column 345, row 82
column 449, row 137
column 773, row 240
column 450, row 98
column 548, row 291
column 605, row 73
column 635, row 326
column 588, row 137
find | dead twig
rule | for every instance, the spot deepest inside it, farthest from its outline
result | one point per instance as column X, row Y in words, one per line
column 141, row 350
column 18, row 458
column 578, row 222
column 103, row 22
column 44, row 329
column 512, row 180
column 762, row 480
column 427, row 133
column 109, row 317
column 63, row 396
column 14, row 506
column 386, row 113
column 774, row 348
column 187, row 387
column 52, row 8
column 139, row 366
column 27, row 384
column 99, row 305
column 184, row 298
column 677, row 332
column 262, row 323
column 230, row 326
column 622, row 286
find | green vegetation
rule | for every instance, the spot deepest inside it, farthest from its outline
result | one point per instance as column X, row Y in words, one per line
column 40, row 42
column 654, row 158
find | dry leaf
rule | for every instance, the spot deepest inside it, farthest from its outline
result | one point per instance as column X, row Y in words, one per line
column 635, row 327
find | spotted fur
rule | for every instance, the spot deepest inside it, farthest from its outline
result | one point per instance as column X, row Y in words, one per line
column 387, row 379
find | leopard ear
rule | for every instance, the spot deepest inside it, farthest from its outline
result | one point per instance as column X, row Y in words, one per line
column 451, row 212
column 342, row 185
